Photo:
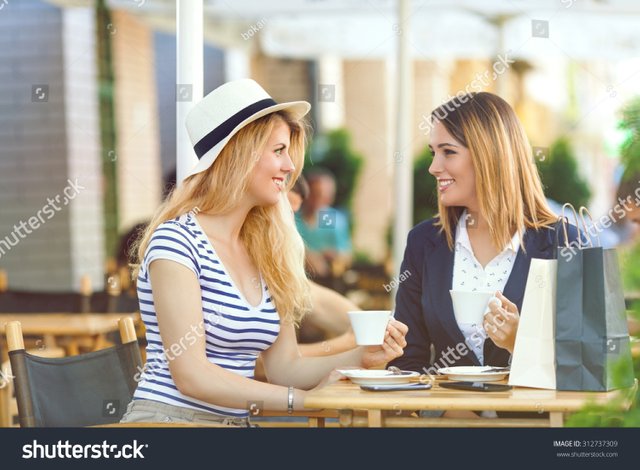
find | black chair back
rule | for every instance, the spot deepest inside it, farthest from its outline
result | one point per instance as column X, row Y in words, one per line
column 84, row 390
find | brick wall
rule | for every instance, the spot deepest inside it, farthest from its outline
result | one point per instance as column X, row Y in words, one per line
column 136, row 115
column 367, row 117
column 284, row 79
column 45, row 140
column 82, row 117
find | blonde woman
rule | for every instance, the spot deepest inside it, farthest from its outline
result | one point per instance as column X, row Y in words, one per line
column 221, row 277
column 493, row 219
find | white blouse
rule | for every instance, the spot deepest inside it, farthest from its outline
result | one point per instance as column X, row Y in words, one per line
column 469, row 275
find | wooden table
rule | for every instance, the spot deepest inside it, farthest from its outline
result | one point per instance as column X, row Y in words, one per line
column 315, row 418
column 159, row 425
column 359, row 408
column 74, row 327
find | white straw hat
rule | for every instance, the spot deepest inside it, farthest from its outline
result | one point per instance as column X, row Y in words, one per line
column 226, row 110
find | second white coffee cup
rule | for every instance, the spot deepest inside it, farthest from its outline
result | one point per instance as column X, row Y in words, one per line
column 470, row 307
column 369, row 326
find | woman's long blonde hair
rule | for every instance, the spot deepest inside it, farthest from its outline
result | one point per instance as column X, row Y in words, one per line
column 269, row 233
column 508, row 186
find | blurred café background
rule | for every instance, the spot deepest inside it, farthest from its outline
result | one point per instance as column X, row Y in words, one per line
column 90, row 131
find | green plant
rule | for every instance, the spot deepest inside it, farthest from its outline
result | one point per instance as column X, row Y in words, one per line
column 609, row 415
column 630, row 159
column 630, row 150
column 108, row 136
column 425, row 198
column 560, row 177
column 334, row 152
column 630, row 260
column 363, row 258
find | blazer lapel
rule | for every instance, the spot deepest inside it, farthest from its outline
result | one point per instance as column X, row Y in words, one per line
column 538, row 245
column 514, row 288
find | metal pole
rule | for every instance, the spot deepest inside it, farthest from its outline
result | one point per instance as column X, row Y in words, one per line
column 189, row 77
column 501, row 80
column 403, row 159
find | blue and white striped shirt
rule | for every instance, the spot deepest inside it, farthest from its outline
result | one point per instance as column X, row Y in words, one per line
column 236, row 332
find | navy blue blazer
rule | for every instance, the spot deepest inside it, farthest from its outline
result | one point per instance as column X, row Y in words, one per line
column 423, row 301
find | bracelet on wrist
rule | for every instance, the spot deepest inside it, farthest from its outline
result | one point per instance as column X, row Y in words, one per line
column 290, row 400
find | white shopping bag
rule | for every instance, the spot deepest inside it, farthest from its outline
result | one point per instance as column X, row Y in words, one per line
column 533, row 361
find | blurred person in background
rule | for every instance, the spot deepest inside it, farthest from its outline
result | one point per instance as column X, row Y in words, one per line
column 628, row 197
column 329, row 309
column 324, row 229
column 326, row 329
column 612, row 231
column 620, row 225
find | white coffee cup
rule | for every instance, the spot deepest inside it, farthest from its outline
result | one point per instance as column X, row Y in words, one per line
column 369, row 326
column 470, row 307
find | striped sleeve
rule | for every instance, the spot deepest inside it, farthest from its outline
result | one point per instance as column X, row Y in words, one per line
column 172, row 242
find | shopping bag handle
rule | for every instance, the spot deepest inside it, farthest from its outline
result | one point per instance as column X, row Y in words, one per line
column 565, row 221
column 584, row 210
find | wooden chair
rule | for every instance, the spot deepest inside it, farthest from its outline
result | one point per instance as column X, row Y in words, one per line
column 4, row 281
column 88, row 389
